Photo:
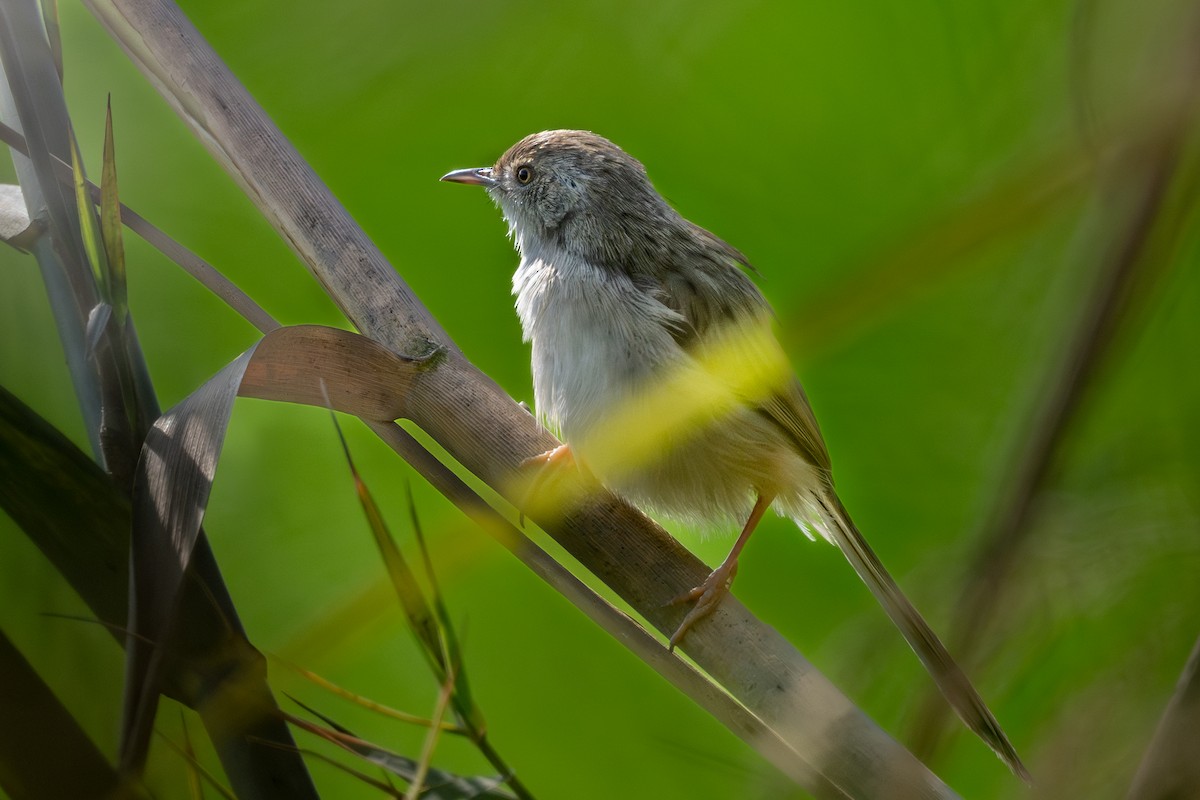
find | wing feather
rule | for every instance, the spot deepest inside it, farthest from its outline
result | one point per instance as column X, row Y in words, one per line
column 715, row 292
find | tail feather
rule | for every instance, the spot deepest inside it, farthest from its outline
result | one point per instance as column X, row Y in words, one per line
column 945, row 672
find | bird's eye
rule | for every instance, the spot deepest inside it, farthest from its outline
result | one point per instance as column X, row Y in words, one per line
column 524, row 175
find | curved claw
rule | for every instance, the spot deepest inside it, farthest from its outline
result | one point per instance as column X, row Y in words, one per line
column 557, row 456
column 706, row 597
column 547, row 465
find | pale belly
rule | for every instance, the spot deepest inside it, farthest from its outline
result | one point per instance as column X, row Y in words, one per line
column 606, row 378
column 588, row 366
column 595, row 340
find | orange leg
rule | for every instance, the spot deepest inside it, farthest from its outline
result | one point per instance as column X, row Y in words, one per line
column 707, row 595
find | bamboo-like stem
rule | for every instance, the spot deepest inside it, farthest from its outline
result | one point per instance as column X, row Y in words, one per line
column 489, row 434
column 620, row 626
column 682, row 675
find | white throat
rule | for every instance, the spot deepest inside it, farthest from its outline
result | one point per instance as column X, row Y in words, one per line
column 595, row 335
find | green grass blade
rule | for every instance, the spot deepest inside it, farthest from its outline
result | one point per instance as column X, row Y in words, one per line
column 43, row 750
column 110, row 224
column 420, row 617
column 89, row 228
column 464, row 702
column 53, row 33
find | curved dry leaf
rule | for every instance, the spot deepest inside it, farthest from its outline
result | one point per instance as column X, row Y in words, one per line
column 362, row 377
column 179, row 460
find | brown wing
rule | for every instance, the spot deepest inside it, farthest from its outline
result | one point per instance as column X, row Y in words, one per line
column 790, row 411
column 712, row 292
column 716, row 292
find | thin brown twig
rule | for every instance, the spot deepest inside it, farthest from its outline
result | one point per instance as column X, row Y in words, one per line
column 364, row 702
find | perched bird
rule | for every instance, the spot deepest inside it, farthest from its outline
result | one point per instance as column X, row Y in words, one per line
column 655, row 360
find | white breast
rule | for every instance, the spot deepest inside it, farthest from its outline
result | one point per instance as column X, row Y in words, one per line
column 599, row 343
column 595, row 337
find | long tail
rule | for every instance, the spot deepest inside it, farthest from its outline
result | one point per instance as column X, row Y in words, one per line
column 948, row 676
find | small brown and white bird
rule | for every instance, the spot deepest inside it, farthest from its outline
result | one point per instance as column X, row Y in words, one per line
column 655, row 360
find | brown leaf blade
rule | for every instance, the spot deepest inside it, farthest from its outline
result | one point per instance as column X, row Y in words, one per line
column 362, row 377
column 174, row 481
column 178, row 464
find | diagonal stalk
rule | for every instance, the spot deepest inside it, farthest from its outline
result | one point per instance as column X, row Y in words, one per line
column 490, row 435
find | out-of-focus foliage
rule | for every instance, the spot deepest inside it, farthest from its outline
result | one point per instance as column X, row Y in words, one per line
column 823, row 140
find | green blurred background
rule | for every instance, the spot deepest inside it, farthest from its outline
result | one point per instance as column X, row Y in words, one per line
column 849, row 150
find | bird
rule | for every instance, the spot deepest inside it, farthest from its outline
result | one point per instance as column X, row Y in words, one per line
column 654, row 358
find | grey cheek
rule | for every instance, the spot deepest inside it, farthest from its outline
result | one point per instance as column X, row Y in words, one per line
column 555, row 211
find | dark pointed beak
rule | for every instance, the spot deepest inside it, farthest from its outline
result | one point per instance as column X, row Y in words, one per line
column 475, row 177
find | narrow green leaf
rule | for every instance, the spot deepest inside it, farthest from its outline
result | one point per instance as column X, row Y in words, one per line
column 53, row 33
column 430, row 625
column 464, row 702
column 189, row 757
column 110, row 223
column 89, row 228
column 421, row 619
column 196, row 769
column 43, row 750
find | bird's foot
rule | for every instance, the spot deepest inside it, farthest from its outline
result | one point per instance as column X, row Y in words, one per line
column 705, row 598
column 546, row 468
column 555, row 457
